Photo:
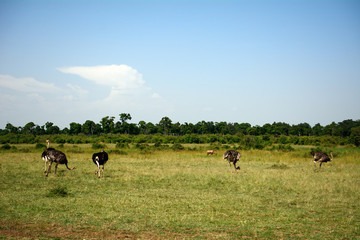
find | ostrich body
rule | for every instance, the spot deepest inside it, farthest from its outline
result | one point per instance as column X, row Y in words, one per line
column 52, row 155
column 100, row 158
column 321, row 158
column 232, row 156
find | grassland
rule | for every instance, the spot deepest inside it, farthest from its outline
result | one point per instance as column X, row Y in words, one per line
column 180, row 195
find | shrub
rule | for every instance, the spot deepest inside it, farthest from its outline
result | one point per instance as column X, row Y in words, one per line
column 283, row 148
column 40, row 146
column 122, row 145
column 60, row 140
column 159, row 146
column 177, row 146
column 142, row 146
column 98, row 146
column 6, row 146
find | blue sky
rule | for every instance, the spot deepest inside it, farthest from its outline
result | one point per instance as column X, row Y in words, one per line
column 235, row 61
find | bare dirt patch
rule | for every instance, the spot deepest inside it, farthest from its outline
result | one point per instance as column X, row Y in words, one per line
column 19, row 230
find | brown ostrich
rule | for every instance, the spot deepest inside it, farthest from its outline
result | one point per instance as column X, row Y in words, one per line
column 52, row 155
column 233, row 157
column 321, row 158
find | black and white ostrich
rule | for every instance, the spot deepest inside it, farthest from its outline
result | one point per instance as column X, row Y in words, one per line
column 321, row 158
column 232, row 156
column 100, row 158
column 52, row 155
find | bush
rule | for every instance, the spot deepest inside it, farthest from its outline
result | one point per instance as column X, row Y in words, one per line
column 60, row 140
column 122, row 145
column 40, row 146
column 177, row 146
column 98, row 146
column 142, row 146
column 159, row 146
column 6, row 147
column 283, row 148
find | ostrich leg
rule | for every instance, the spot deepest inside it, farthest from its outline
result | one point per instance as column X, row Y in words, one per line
column 56, row 168
column 98, row 171
column 49, row 169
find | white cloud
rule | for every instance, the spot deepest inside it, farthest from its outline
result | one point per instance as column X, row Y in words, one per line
column 43, row 101
column 127, row 86
column 26, row 84
column 121, row 77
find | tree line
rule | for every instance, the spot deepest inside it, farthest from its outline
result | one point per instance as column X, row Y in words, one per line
column 108, row 125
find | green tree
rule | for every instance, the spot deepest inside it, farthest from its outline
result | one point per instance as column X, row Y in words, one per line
column 355, row 136
column 88, row 127
column 165, row 125
column 75, row 128
column 142, row 127
column 51, row 129
column 317, row 130
column 107, row 124
column 344, row 127
column 187, row 128
column 302, row 129
column 29, row 128
column 124, row 117
column 151, row 128
column 11, row 129
column 330, row 129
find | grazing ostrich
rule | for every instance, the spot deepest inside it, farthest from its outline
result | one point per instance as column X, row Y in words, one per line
column 232, row 156
column 321, row 158
column 100, row 158
column 52, row 155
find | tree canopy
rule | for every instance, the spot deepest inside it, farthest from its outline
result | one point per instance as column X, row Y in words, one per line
column 166, row 126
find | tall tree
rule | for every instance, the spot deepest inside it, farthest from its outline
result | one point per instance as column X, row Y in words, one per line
column 124, row 117
column 317, row 130
column 29, row 128
column 165, row 125
column 88, row 127
column 75, row 128
column 107, row 124
column 11, row 129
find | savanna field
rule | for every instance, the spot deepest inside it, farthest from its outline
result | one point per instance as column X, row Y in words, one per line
column 185, row 194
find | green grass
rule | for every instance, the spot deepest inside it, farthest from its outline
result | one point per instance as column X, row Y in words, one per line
column 183, row 194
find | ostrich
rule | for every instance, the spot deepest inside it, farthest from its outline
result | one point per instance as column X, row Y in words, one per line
column 100, row 158
column 232, row 156
column 53, row 155
column 321, row 158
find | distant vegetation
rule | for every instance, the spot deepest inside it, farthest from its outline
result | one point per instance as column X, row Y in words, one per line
column 111, row 131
